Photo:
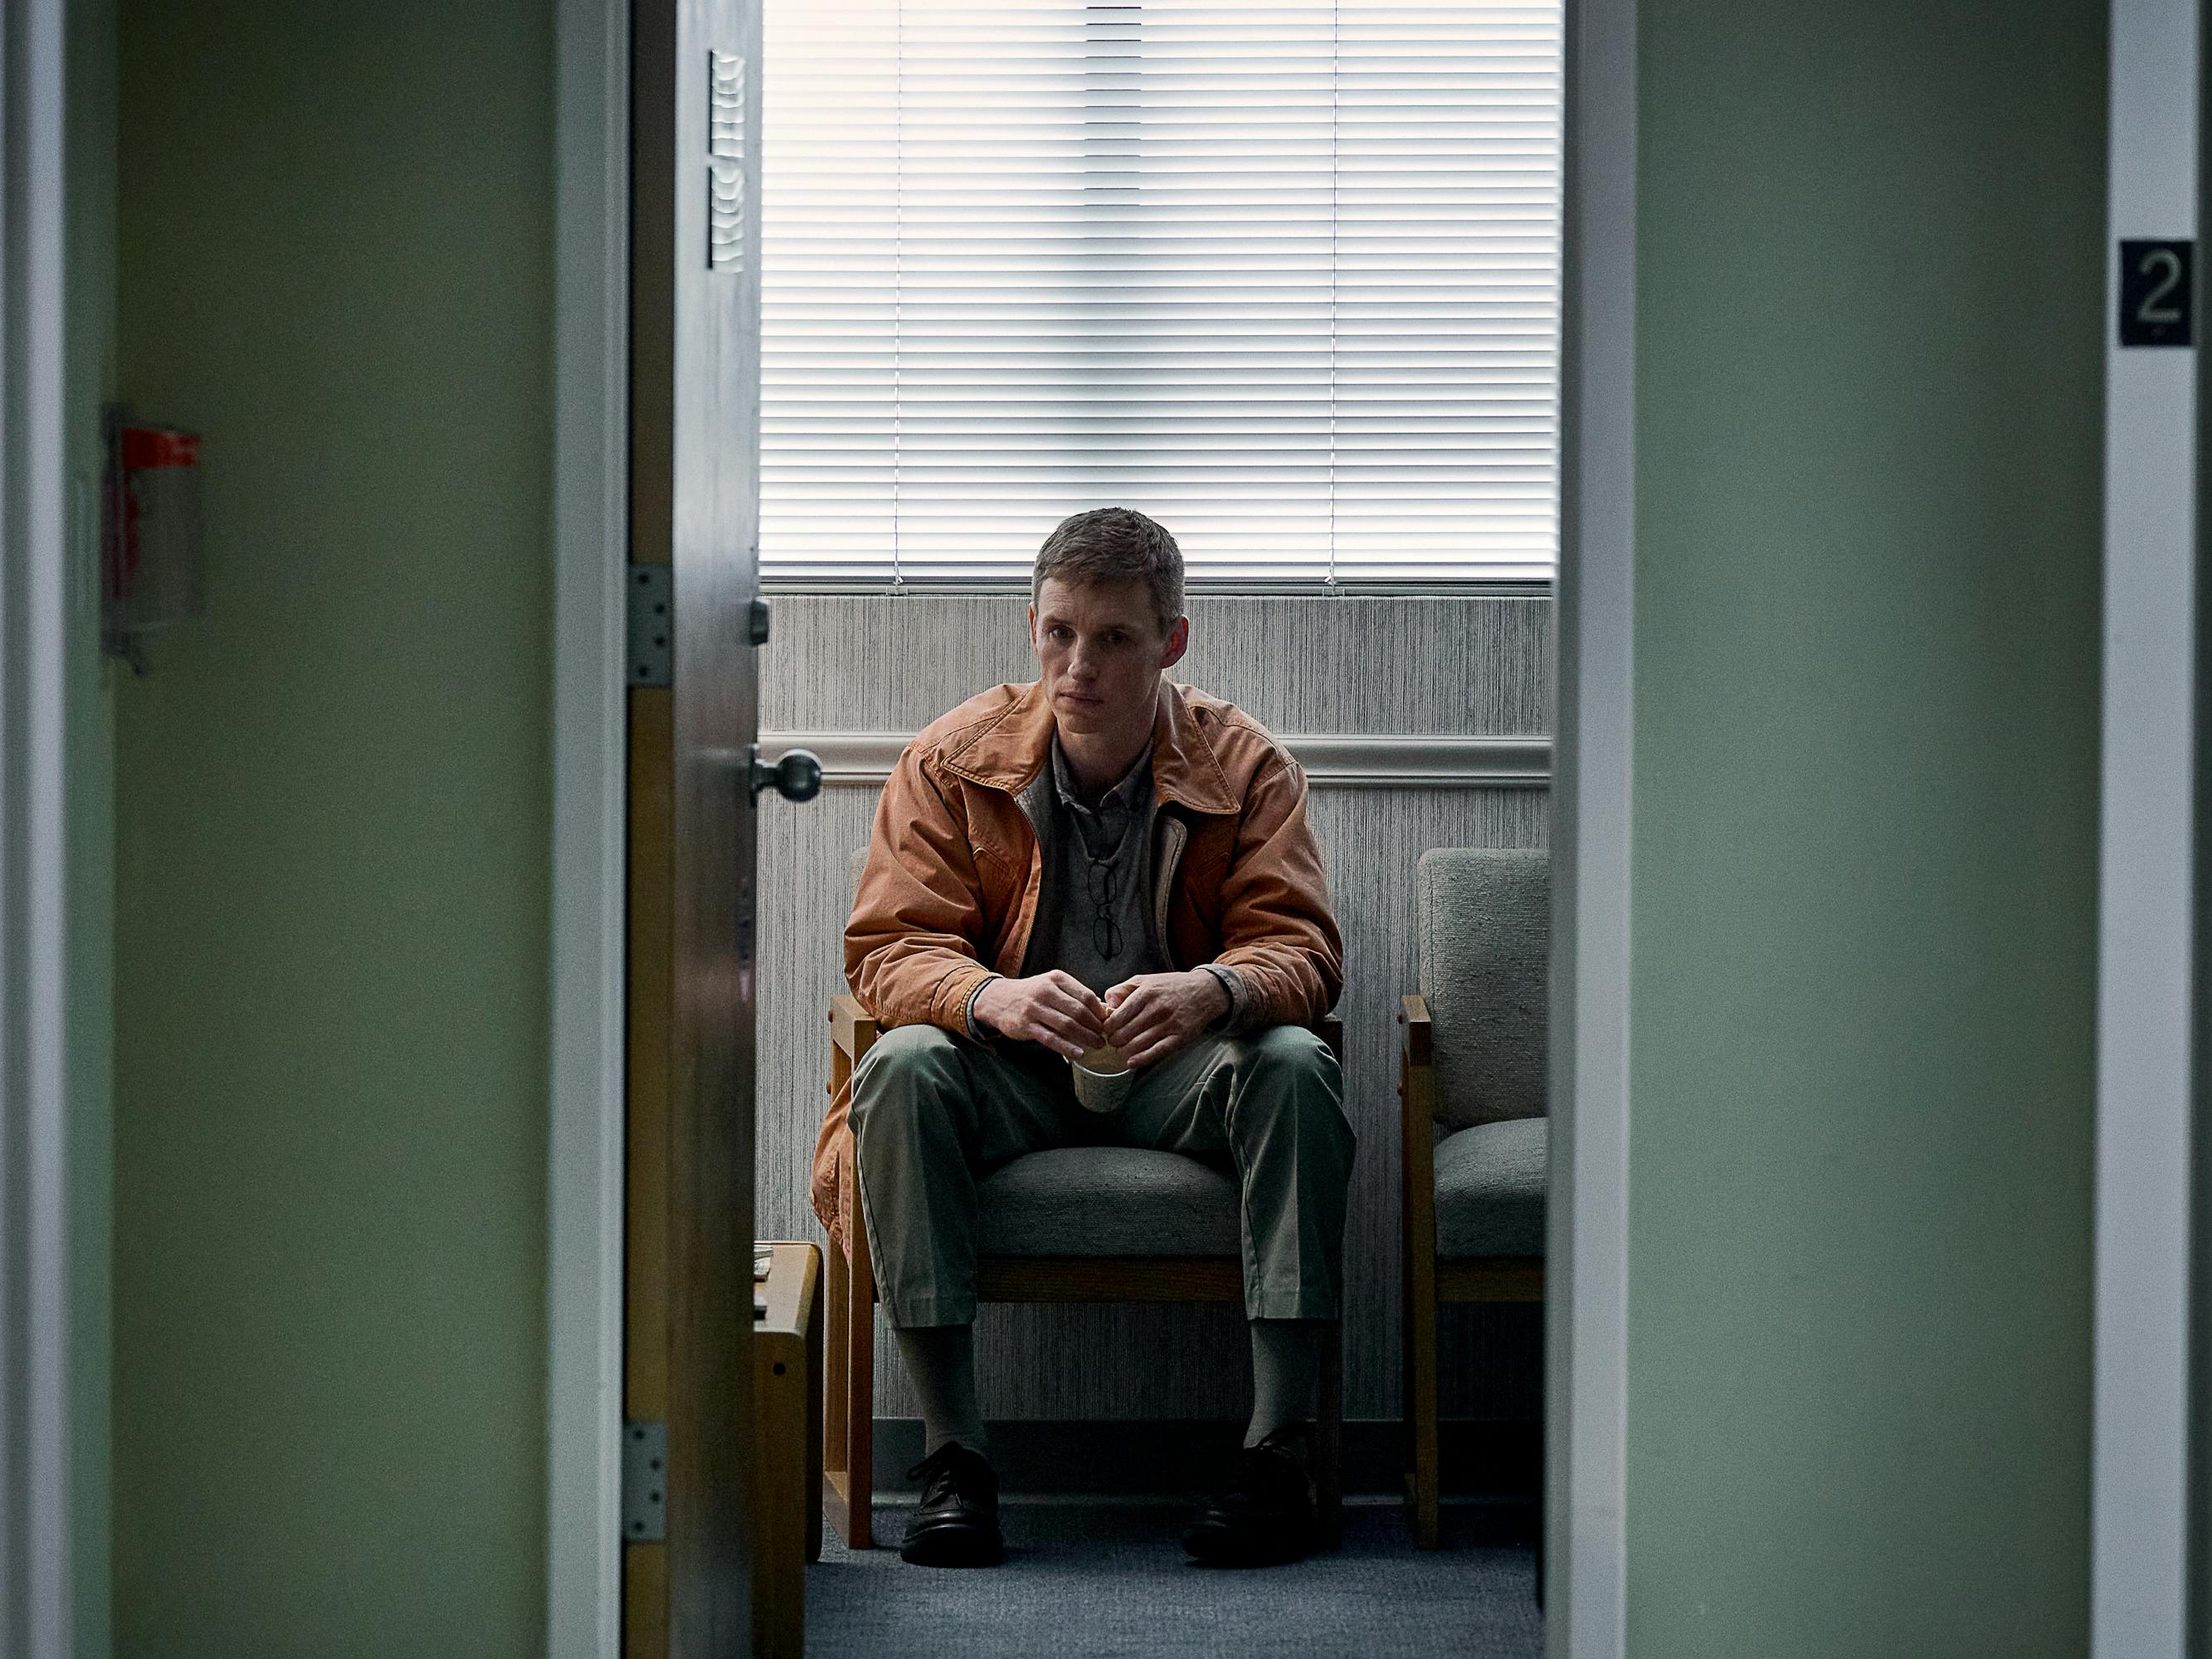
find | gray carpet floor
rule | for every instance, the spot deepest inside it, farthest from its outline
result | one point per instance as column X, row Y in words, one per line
column 1111, row 1579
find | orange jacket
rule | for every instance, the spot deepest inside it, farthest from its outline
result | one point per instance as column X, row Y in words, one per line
column 950, row 890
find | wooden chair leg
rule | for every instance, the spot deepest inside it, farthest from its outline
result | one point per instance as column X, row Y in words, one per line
column 1421, row 1316
column 1409, row 1365
column 860, row 1388
column 848, row 1404
column 1328, row 1456
column 817, row 1443
column 836, row 1367
column 1417, row 1193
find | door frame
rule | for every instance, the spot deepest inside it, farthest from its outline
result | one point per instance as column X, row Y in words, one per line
column 1586, row 1311
column 1587, row 1321
column 39, row 1501
column 585, row 1078
column 2146, row 1499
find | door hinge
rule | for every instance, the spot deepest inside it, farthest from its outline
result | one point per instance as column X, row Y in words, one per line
column 652, row 625
column 645, row 1483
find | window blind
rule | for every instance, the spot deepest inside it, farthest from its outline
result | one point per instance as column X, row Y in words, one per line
column 1284, row 275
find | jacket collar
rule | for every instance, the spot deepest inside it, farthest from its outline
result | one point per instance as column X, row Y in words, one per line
column 1009, row 751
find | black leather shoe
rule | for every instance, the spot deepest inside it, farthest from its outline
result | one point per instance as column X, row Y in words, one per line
column 1269, row 1511
column 956, row 1524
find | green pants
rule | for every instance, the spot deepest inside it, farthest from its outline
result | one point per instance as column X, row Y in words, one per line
column 934, row 1112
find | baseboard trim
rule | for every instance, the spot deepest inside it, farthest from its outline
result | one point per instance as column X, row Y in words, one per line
column 1487, row 1460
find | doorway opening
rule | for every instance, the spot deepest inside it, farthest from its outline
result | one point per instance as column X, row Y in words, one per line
column 1420, row 774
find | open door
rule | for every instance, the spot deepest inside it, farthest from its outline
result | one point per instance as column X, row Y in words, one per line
column 695, row 357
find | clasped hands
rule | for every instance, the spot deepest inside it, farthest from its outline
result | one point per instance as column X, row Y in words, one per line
column 1147, row 1017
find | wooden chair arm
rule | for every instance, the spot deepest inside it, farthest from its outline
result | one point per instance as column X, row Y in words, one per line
column 1417, row 1093
column 1414, row 1016
column 852, row 1027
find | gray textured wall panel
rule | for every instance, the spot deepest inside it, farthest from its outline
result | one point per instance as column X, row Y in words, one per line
column 869, row 663
column 1429, row 665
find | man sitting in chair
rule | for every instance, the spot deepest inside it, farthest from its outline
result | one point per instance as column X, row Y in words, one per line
column 1134, row 857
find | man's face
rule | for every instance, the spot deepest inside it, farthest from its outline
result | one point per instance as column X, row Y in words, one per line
column 1101, row 654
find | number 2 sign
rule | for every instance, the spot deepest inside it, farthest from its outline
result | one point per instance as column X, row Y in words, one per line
column 2158, row 290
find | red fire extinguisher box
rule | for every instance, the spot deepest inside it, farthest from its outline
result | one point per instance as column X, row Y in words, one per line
column 154, row 537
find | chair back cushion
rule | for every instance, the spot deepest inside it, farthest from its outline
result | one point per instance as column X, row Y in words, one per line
column 1486, row 947
column 1108, row 1200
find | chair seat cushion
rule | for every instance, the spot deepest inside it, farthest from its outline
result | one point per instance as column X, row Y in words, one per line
column 1108, row 1200
column 1490, row 1189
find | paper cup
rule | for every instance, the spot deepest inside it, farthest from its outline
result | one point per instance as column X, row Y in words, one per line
column 1102, row 1080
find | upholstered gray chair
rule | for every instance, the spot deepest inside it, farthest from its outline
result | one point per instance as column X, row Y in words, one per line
column 1074, row 1224
column 1471, row 1077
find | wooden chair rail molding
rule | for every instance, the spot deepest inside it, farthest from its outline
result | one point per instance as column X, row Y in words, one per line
column 1381, row 760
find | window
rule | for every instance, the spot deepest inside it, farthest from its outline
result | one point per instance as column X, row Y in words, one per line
column 1285, row 277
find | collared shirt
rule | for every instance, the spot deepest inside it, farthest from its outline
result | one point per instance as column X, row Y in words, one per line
column 1103, row 872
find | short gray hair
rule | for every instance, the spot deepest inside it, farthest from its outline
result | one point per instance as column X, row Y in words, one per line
column 1111, row 544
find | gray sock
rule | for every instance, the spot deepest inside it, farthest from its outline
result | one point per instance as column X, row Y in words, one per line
column 941, row 1360
column 1286, row 1369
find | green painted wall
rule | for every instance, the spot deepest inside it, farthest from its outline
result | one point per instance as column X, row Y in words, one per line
column 331, row 881
column 1869, row 396
column 1868, row 419
column 89, row 278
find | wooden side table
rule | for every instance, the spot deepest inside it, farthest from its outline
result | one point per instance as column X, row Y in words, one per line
column 786, row 1446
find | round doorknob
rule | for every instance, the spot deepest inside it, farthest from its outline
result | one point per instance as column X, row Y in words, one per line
column 797, row 777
